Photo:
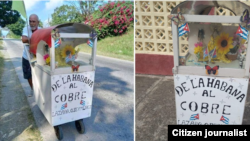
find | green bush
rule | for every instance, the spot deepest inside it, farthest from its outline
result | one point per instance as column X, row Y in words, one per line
column 112, row 19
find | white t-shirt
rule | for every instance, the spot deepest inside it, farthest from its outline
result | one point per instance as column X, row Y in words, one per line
column 26, row 45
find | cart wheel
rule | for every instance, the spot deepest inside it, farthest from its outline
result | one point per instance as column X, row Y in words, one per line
column 59, row 133
column 80, row 126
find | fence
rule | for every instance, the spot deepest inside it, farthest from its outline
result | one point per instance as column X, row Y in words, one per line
column 153, row 33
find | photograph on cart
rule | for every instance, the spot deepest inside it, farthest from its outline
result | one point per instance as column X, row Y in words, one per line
column 211, row 61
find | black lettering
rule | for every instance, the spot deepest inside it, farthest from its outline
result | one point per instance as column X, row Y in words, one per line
column 78, row 78
column 193, row 84
column 215, row 107
column 195, row 106
column 77, row 95
column 68, row 78
column 242, row 96
column 63, row 81
column 82, row 77
column 205, row 107
column 85, row 80
column 56, row 100
column 63, row 97
column 201, row 82
column 58, row 84
column 90, row 81
column 75, row 85
column 230, row 88
column 182, row 84
column 91, row 84
column 222, row 86
column 217, row 83
column 205, row 93
column 181, row 105
column 180, row 94
column 74, row 78
column 211, row 94
column 210, row 83
column 235, row 92
column 225, row 109
column 54, row 88
column 70, row 96
column 71, row 85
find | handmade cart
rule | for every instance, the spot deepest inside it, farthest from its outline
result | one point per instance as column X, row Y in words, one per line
column 211, row 77
column 63, row 83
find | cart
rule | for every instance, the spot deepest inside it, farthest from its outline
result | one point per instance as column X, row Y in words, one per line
column 63, row 84
column 211, row 76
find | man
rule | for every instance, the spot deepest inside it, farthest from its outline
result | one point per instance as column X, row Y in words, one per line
column 33, row 26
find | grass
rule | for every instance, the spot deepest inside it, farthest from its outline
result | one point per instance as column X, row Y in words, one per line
column 31, row 133
column 13, row 36
column 121, row 47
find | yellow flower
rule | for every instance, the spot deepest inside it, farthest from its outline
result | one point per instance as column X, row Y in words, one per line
column 243, row 41
column 47, row 60
column 68, row 49
column 198, row 49
column 223, row 43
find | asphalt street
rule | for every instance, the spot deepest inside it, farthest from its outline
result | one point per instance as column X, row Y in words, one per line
column 112, row 116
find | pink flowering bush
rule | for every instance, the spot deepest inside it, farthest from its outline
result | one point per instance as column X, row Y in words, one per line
column 112, row 19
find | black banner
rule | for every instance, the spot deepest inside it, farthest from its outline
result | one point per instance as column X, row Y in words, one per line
column 208, row 132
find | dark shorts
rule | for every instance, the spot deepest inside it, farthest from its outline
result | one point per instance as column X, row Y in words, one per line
column 26, row 69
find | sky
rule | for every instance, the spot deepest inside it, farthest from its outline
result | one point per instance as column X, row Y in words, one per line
column 44, row 8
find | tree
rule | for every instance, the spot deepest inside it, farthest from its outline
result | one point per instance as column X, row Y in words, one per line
column 65, row 14
column 7, row 16
column 86, row 8
column 17, row 28
column 40, row 24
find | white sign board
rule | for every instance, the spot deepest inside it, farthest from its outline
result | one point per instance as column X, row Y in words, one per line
column 71, row 96
column 209, row 100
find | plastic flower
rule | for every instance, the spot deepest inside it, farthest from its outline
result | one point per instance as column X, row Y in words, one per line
column 198, row 47
column 223, row 43
column 47, row 60
column 45, row 56
column 67, row 50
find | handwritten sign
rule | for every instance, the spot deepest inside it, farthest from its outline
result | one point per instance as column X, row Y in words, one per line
column 209, row 100
column 71, row 96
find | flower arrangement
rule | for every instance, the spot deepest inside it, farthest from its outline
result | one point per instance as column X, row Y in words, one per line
column 198, row 50
column 46, row 57
column 67, row 50
column 65, row 56
column 223, row 43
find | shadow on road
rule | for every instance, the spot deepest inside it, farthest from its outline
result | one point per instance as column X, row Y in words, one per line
column 112, row 116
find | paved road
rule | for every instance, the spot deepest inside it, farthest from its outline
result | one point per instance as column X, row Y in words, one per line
column 113, row 100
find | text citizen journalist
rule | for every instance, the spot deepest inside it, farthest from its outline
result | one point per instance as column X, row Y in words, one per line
column 185, row 132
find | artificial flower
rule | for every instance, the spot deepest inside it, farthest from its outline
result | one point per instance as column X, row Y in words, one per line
column 198, row 47
column 45, row 56
column 67, row 50
column 47, row 60
column 223, row 43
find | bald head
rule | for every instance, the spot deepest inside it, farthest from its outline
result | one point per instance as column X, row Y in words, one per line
column 34, row 22
column 34, row 16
